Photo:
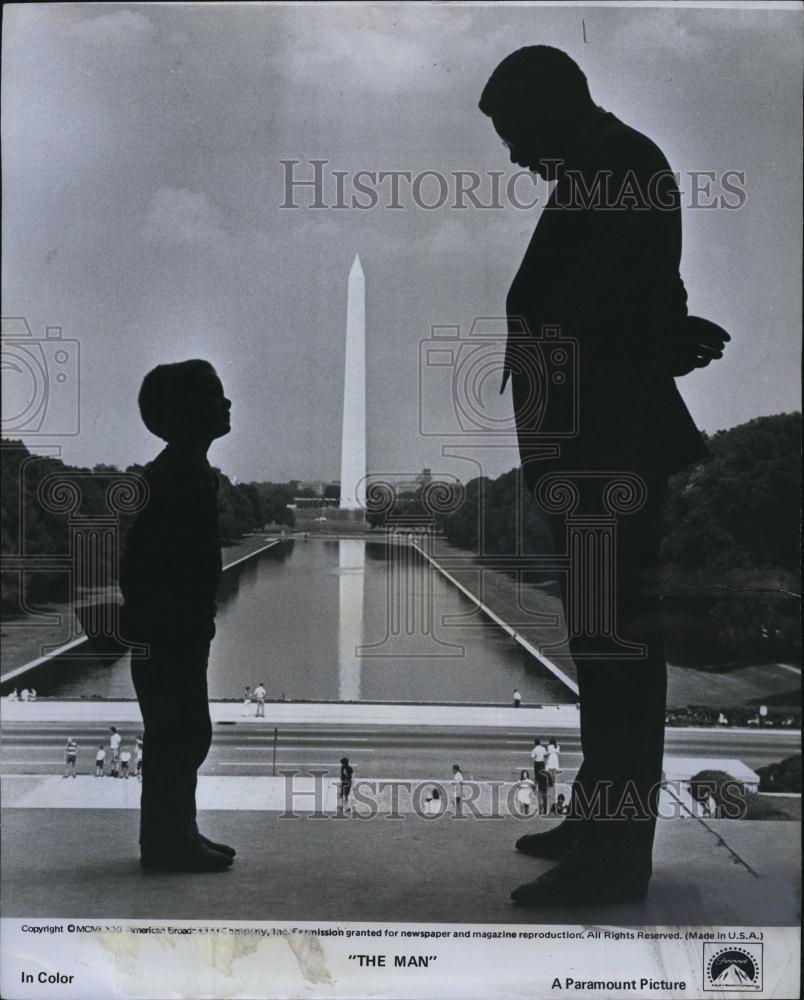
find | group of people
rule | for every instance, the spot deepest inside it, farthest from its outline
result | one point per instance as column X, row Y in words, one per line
column 27, row 694
column 119, row 757
column 546, row 768
column 433, row 802
column 258, row 696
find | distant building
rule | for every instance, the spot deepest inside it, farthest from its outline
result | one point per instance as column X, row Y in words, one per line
column 315, row 487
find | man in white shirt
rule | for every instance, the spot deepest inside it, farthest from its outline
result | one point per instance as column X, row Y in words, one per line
column 538, row 755
column 259, row 694
column 114, row 742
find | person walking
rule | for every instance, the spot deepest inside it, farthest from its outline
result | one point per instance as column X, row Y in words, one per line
column 345, row 785
column 551, row 764
column 100, row 760
column 524, row 792
column 259, row 694
column 517, row 698
column 457, row 785
column 114, row 745
column 138, row 757
column 71, row 753
column 601, row 277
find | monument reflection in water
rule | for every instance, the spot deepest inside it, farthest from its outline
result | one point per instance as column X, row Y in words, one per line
column 344, row 620
column 351, row 581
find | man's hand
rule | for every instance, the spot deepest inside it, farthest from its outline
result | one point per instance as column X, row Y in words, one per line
column 698, row 342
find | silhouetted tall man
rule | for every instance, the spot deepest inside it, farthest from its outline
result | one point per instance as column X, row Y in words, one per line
column 603, row 266
column 169, row 577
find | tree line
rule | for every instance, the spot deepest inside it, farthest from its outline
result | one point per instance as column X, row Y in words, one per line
column 731, row 546
column 730, row 551
column 32, row 527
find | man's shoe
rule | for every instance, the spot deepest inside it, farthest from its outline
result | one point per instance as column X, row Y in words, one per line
column 195, row 858
column 225, row 849
column 552, row 844
column 571, row 884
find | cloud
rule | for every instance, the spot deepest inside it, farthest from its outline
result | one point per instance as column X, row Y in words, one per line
column 178, row 217
column 476, row 236
column 695, row 35
column 118, row 27
column 384, row 49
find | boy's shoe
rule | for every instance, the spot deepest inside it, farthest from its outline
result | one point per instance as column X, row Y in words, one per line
column 224, row 849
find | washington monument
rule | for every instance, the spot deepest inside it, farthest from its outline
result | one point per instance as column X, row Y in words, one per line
column 353, row 445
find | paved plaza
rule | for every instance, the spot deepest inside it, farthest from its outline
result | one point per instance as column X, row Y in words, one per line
column 70, row 844
column 83, row 863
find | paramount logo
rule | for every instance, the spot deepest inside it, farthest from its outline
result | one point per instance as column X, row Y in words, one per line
column 732, row 967
column 733, row 975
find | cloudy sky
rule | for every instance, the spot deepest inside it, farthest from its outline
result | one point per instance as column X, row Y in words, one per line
column 143, row 185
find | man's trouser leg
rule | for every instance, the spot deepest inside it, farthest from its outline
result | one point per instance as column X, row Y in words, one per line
column 622, row 701
column 171, row 687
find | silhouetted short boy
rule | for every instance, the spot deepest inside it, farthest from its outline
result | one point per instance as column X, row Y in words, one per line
column 169, row 578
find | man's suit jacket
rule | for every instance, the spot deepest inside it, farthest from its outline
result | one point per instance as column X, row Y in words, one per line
column 602, row 268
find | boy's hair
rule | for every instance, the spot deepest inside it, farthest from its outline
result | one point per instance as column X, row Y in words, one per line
column 164, row 389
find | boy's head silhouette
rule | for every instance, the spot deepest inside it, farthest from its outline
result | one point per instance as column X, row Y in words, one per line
column 535, row 98
column 184, row 403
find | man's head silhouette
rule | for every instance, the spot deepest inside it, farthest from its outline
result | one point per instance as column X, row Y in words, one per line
column 535, row 98
column 184, row 403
